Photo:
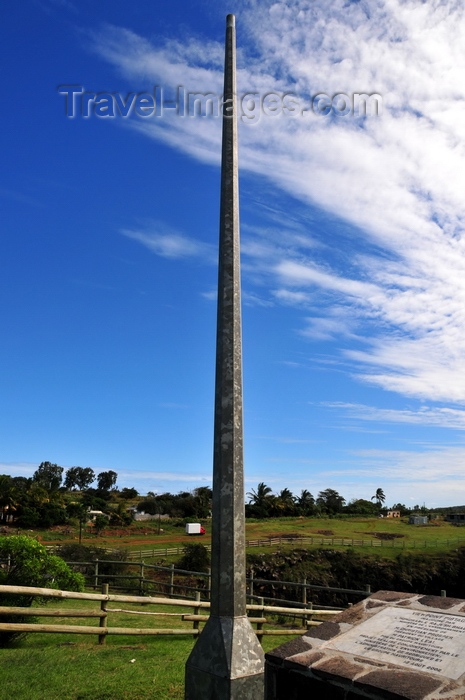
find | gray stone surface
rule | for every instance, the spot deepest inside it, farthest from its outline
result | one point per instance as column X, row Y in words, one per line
column 227, row 660
column 419, row 640
column 392, row 646
column 223, row 657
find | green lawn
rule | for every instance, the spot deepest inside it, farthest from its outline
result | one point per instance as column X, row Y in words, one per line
column 75, row 667
column 438, row 535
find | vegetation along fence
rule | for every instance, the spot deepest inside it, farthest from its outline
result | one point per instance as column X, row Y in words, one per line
column 397, row 543
column 308, row 616
column 148, row 579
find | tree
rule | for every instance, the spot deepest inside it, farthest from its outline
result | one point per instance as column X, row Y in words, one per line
column 260, row 502
column 120, row 516
column 148, row 505
column 128, row 494
column 285, row 502
column 360, row 506
column 38, row 507
column 95, row 500
column 106, row 480
column 100, row 522
column 29, row 564
column 379, row 497
column 330, row 502
column 8, row 497
column 79, row 478
column 260, row 496
column 80, row 513
column 305, row 503
column 49, row 476
column 195, row 558
column 404, row 510
column 203, row 496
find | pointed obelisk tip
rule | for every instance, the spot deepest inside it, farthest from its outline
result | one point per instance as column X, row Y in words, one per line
column 231, row 20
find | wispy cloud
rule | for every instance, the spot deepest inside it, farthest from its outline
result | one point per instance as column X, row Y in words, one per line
column 287, row 296
column 169, row 243
column 397, row 179
column 425, row 415
column 26, row 469
column 439, row 465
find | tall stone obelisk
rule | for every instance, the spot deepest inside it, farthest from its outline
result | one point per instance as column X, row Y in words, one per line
column 227, row 660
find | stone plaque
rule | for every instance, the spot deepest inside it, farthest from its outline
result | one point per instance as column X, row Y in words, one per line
column 425, row 641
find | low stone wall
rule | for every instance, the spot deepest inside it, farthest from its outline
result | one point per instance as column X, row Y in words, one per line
column 391, row 646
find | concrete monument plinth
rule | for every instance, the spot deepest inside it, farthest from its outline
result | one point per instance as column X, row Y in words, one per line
column 226, row 662
column 391, row 646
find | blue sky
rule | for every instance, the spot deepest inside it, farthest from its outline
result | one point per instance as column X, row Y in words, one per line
column 353, row 255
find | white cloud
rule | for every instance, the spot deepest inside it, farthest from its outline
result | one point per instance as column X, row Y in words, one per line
column 397, row 178
column 26, row 469
column 439, row 466
column 319, row 328
column 169, row 243
column 292, row 298
column 441, row 417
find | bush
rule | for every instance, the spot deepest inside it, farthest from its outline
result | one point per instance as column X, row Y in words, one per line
column 195, row 558
column 109, row 562
column 25, row 562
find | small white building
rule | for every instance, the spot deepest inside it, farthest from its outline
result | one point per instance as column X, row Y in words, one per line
column 92, row 514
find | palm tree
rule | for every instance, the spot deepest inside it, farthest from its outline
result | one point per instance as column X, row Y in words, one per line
column 306, row 502
column 285, row 501
column 261, row 502
column 260, row 496
column 379, row 497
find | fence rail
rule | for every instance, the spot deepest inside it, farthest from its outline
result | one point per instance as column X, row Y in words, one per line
column 145, row 583
column 309, row 616
column 396, row 543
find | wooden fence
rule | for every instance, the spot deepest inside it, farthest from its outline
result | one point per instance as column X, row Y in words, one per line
column 308, row 616
column 140, row 576
column 397, row 543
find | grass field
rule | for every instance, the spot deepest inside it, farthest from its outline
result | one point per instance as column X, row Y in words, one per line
column 390, row 535
column 71, row 667
column 74, row 667
column 381, row 535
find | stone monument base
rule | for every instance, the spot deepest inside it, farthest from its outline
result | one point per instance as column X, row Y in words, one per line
column 391, row 646
column 226, row 662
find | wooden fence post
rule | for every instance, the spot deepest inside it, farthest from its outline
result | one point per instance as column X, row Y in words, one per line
column 304, row 601
column 103, row 618
column 172, row 581
column 195, row 624
column 209, row 584
column 261, row 601
column 251, row 583
column 309, row 617
column 96, row 574
column 141, row 578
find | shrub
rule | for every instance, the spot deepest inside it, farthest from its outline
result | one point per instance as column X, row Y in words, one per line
column 109, row 562
column 25, row 562
column 195, row 558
